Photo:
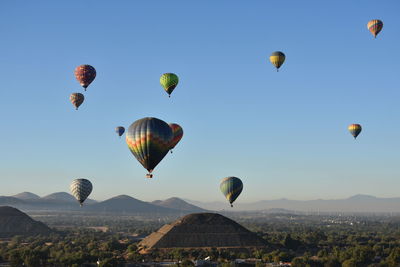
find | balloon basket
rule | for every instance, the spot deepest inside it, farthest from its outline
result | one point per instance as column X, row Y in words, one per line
column 149, row 175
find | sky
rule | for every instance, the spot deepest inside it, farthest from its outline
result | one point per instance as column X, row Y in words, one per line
column 284, row 134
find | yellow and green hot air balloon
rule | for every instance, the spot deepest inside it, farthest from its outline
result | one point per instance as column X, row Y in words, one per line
column 277, row 58
column 169, row 81
column 231, row 187
column 355, row 130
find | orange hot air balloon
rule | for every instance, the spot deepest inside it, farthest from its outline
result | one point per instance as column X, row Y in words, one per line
column 85, row 75
column 375, row 26
column 178, row 134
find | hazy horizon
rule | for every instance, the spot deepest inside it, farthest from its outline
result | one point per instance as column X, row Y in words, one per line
column 222, row 200
column 284, row 134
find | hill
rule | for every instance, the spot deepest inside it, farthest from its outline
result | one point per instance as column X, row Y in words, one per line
column 60, row 196
column 26, row 196
column 202, row 230
column 178, row 204
column 127, row 204
column 64, row 197
column 14, row 222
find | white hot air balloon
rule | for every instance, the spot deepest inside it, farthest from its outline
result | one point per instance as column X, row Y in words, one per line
column 81, row 189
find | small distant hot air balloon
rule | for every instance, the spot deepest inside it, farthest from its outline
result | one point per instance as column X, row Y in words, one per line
column 355, row 130
column 120, row 130
column 149, row 140
column 177, row 133
column 277, row 58
column 169, row 81
column 231, row 187
column 81, row 189
column 375, row 26
column 76, row 99
column 85, row 75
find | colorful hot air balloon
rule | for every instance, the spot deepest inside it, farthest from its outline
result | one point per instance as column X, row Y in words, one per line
column 169, row 81
column 120, row 130
column 231, row 187
column 81, row 189
column 375, row 26
column 277, row 58
column 149, row 140
column 355, row 130
column 85, row 75
column 177, row 132
column 76, row 99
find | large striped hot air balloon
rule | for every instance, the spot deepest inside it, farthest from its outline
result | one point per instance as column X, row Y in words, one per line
column 85, row 75
column 76, row 99
column 177, row 132
column 149, row 140
column 375, row 26
column 169, row 81
column 231, row 187
column 355, row 130
column 81, row 189
column 120, row 130
column 277, row 58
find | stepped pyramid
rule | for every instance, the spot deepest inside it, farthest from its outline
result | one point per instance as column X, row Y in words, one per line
column 202, row 230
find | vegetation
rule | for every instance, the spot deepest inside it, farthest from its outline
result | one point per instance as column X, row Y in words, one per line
column 301, row 240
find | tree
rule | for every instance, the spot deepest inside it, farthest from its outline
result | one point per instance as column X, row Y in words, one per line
column 349, row 263
column 298, row 262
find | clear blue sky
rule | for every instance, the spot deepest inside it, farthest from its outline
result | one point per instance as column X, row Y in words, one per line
column 284, row 134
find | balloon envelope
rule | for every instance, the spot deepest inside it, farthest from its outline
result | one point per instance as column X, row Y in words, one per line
column 76, row 99
column 231, row 187
column 177, row 132
column 85, row 75
column 355, row 130
column 277, row 58
column 81, row 189
column 375, row 26
column 149, row 140
column 120, row 130
column 169, row 81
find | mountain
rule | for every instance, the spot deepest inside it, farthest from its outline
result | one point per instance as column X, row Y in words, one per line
column 127, row 204
column 60, row 196
column 65, row 197
column 178, row 204
column 26, row 196
column 202, row 230
column 356, row 203
column 11, row 201
column 14, row 222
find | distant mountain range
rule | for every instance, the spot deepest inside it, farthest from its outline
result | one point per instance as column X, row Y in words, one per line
column 123, row 204
column 357, row 203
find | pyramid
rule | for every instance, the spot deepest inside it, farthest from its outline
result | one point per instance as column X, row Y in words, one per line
column 202, row 230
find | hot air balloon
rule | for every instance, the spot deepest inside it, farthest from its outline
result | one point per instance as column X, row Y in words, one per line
column 169, row 81
column 355, row 130
column 231, row 187
column 149, row 140
column 177, row 132
column 375, row 26
column 85, row 75
column 76, row 99
column 81, row 189
column 120, row 130
column 277, row 58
